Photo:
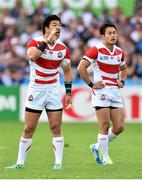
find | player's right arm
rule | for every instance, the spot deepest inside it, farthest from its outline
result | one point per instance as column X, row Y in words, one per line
column 34, row 51
column 84, row 64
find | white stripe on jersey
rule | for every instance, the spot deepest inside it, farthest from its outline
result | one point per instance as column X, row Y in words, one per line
column 109, row 75
column 46, row 55
column 41, row 69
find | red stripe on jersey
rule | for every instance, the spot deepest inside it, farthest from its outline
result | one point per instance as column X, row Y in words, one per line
column 48, row 64
column 44, row 74
column 110, row 79
column 108, row 68
column 45, row 82
column 117, row 52
column 109, row 84
column 104, row 51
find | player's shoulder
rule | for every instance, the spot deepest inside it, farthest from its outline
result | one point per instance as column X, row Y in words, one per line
column 118, row 50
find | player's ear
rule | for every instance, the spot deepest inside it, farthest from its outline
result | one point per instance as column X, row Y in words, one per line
column 46, row 30
column 103, row 37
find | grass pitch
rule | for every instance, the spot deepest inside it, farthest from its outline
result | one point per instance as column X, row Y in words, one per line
column 78, row 162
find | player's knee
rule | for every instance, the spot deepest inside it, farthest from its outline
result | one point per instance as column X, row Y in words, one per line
column 28, row 130
column 105, row 126
column 119, row 129
column 55, row 129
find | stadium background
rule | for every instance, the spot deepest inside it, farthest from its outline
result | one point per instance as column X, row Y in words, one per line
column 20, row 21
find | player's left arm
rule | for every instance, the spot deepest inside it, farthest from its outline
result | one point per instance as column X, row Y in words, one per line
column 68, row 77
column 122, row 73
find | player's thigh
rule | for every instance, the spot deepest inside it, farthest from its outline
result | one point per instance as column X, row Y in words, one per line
column 54, row 118
column 31, row 119
column 117, row 117
column 35, row 99
column 103, row 117
column 54, row 99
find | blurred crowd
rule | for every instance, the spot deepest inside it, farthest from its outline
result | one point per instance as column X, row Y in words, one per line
column 18, row 26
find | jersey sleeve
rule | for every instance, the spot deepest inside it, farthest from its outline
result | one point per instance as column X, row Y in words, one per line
column 68, row 54
column 32, row 43
column 66, row 59
column 122, row 59
column 91, row 55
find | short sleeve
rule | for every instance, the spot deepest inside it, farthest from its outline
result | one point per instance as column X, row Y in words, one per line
column 122, row 59
column 32, row 43
column 67, row 53
column 66, row 59
column 91, row 54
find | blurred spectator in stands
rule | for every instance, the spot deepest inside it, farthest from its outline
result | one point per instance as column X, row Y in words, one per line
column 42, row 9
column 135, row 66
column 138, row 69
column 67, row 14
column 12, row 75
column 22, row 21
column 2, row 28
column 87, row 16
column 95, row 39
column 19, row 24
column 15, row 11
column 74, row 57
column 136, row 34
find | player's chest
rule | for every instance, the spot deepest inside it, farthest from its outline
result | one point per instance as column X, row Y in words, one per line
column 109, row 59
column 53, row 55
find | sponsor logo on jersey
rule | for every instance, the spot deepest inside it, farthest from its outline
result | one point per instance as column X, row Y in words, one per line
column 60, row 54
column 118, row 59
column 104, row 58
column 50, row 52
column 30, row 98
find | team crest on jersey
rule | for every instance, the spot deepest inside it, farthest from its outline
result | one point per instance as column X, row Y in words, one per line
column 103, row 97
column 30, row 98
column 60, row 54
column 103, row 57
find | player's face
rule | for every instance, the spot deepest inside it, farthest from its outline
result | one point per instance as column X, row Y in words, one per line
column 55, row 25
column 110, row 36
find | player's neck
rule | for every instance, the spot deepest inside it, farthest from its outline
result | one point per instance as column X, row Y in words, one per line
column 52, row 44
column 109, row 46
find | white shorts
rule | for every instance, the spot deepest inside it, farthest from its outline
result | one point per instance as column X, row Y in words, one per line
column 40, row 99
column 109, row 96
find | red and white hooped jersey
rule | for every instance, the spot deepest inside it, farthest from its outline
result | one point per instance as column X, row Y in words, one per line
column 105, row 63
column 45, row 70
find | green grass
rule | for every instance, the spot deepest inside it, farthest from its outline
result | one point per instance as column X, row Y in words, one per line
column 78, row 162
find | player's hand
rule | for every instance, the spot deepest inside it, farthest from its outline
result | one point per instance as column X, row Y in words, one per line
column 120, row 84
column 51, row 38
column 98, row 85
column 68, row 102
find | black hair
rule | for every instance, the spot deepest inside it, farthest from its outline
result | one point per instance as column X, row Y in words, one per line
column 47, row 21
column 104, row 26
